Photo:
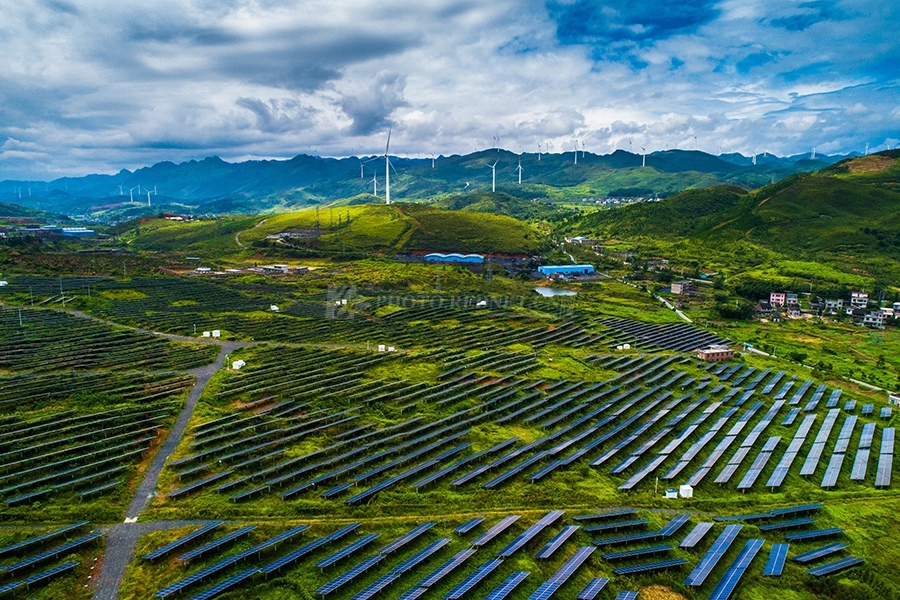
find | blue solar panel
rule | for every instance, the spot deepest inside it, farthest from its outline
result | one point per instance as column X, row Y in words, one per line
column 626, row 595
column 549, row 587
column 224, row 586
column 636, row 552
column 473, row 579
column 445, row 569
column 729, row 581
column 407, row 537
column 496, row 530
column 42, row 576
column 302, row 551
column 412, row 593
column 813, row 534
column 53, row 552
column 347, row 550
column 509, row 584
column 616, row 525
column 349, row 575
column 469, row 525
column 527, row 535
column 651, row 566
column 696, row 534
column 168, row 548
column 836, row 566
column 217, row 543
column 677, row 522
column 558, row 540
column 820, row 552
column 379, row 584
column 713, row 555
column 593, row 588
column 18, row 547
column 775, row 564
column 787, row 524
column 420, row 556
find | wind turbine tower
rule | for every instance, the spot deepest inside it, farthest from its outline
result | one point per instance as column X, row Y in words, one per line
column 432, row 160
column 494, row 175
column 519, row 169
column 867, row 148
column 813, row 155
column 576, row 152
column 643, row 157
column 539, row 151
column 148, row 197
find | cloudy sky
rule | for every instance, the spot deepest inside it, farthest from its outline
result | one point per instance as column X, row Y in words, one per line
column 98, row 85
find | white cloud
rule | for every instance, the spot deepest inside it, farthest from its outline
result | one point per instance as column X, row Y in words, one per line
column 99, row 85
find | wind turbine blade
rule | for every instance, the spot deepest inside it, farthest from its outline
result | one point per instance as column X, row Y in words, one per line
column 387, row 146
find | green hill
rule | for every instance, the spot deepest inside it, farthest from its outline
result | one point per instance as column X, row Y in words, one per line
column 847, row 214
column 361, row 227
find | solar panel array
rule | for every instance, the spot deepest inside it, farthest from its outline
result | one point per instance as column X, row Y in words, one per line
column 496, row 530
column 729, row 581
column 593, row 587
column 556, row 542
column 473, row 579
column 885, row 458
column 775, row 563
column 818, row 447
column 820, row 552
column 835, row 567
column 713, row 555
column 697, row 533
column 527, row 535
column 568, row 568
column 506, row 588
column 839, row 452
column 650, row 566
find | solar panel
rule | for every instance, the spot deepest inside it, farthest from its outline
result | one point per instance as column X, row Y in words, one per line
column 407, row 537
column 42, row 576
column 302, row 551
column 626, row 595
column 347, row 550
column 836, row 566
column 53, row 552
column 677, row 522
column 350, row 574
column 558, row 540
column 616, row 525
column 420, row 556
column 496, row 530
column 442, row 571
column 217, row 543
column 817, row 553
column 527, row 535
column 697, row 533
column 729, row 581
column 885, row 458
column 184, row 540
column 650, row 566
column 713, row 555
column 794, row 510
column 473, row 579
column 379, row 584
column 790, row 524
column 549, row 587
column 224, row 586
column 509, row 584
column 18, row 547
column 469, row 525
column 813, row 534
column 775, row 564
column 594, row 586
column 611, row 556
column 412, row 593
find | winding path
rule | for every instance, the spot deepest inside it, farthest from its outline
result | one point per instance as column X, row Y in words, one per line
column 121, row 539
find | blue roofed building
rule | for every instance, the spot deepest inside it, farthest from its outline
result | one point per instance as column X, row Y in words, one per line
column 550, row 270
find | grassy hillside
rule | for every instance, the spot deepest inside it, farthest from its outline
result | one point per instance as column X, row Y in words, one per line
column 365, row 227
column 847, row 215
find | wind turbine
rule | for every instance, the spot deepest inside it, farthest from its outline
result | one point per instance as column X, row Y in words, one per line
column 519, row 169
column 576, row 152
column 387, row 170
column 643, row 157
column 131, row 193
column 867, row 152
column 148, row 197
column 494, row 175
column 432, row 160
column 582, row 148
column 375, row 185
column 813, row 155
column 121, row 193
column 539, row 151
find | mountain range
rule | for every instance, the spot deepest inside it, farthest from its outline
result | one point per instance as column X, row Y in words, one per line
column 214, row 186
